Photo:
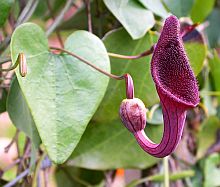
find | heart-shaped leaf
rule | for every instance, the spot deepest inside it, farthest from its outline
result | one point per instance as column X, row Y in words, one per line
column 61, row 92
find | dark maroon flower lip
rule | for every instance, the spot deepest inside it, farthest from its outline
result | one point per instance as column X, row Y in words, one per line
column 170, row 67
column 176, row 86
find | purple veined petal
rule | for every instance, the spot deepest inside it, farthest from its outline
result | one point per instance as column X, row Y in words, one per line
column 176, row 86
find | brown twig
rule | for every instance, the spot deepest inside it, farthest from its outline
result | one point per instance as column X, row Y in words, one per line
column 53, row 17
column 14, row 139
column 59, row 18
column 88, row 12
column 27, row 149
column 18, row 178
column 11, row 165
column 46, row 177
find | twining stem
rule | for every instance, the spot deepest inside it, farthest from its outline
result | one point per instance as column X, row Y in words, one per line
column 114, row 55
column 10, row 68
column 146, row 53
column 126, row 77
column 121, row 77
column 21, row 61
column 151, row 50
column 89, row 64
column 189, row 29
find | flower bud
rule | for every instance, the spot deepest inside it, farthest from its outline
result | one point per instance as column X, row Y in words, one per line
column 22, row 65
column 133, row 114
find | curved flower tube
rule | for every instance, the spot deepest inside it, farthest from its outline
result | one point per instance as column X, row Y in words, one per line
column 176, row 86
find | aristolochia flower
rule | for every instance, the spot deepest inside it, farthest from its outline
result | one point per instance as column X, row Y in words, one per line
column 176, row 86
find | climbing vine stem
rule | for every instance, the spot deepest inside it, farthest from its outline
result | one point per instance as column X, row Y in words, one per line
column 145, row 53
column 89, row 63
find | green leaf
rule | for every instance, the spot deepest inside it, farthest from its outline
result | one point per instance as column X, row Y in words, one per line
column 72, row 176
column 20, row 114
column 212, row 171
column 196, row 53
column 9, row 175
column 5, row 6
column 62, row 92
column 155, row 6
column 110, row 146
column 4, row 94
column 213, row 29
column 120, row 42
column 135, row 19
column 207, row 135
column 197, row 179
column 180, row 8
column 195, row 47
column 201, row 9
column 42, row 9
column 214, row 65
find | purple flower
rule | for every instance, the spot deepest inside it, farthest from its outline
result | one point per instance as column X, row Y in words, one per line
column 176, row 86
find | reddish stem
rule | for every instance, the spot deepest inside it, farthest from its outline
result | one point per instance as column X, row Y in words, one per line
column 129, row 86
